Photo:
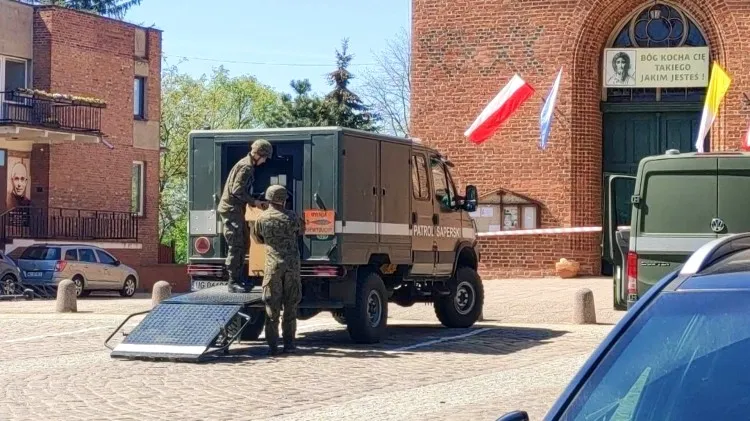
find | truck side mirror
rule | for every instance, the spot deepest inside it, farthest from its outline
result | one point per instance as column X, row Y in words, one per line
column 470, row 199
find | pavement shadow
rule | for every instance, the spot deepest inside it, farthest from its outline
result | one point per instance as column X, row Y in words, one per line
column 415, row 338
column 403, row 340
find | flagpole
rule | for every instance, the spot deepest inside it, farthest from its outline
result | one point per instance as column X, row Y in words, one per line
column 557, row 112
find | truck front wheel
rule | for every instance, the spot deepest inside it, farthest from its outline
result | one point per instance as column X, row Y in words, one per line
column 367, row 320
column 463, row 306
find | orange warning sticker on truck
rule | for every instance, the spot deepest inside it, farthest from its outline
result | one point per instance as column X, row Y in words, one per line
column 319, row 222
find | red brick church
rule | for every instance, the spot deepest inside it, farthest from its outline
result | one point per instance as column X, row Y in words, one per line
column 464, row 53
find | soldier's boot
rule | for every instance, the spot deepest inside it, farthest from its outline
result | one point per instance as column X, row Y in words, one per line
column 236, row 287
column 234, row 284
column 273, row 350
column 233, row 266
column 289, row 346
column 289, row 332
column 272, row 337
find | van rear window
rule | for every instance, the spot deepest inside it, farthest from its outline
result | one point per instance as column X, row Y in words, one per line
column 678, row 203
column 41, row 253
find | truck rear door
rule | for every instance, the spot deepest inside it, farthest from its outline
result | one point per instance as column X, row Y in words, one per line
column 617, row 212
column 734, row 195
column 677, row 202
column 395, row 205
column 203, row 195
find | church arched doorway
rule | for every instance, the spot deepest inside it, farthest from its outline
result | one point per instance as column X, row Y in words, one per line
column 654, row 77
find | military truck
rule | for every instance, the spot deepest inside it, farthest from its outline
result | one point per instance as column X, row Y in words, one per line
column 677, row 203
column 385, row 223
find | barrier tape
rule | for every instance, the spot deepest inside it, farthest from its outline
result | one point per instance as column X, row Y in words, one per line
column 542, row 231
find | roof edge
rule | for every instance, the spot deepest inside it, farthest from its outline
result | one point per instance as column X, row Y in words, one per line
column 46, row 7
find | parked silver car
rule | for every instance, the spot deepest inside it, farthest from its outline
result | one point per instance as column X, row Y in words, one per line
column 9, row 276
column 89, row 267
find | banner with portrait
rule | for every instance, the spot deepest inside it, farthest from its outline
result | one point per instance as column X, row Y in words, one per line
column 19, row 180
column 683, row 67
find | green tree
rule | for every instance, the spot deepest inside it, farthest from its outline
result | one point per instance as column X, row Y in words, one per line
column 347, row 108
column 219, row 102
column 340, row 107
column 304, row 109
column 111, row 8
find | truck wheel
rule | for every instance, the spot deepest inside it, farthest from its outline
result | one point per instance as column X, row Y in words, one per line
column 255, row 328
column 463, row 306
column 367, row 320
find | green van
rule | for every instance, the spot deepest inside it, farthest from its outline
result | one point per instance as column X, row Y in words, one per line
column 678, row 202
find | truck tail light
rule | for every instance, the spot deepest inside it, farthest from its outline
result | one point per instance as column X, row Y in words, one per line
column 202, row 245
column 326, row 271
column 60, row 265
column 205, row 270
column 632, row 273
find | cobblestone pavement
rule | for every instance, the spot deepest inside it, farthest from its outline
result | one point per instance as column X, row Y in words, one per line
column 520, row 357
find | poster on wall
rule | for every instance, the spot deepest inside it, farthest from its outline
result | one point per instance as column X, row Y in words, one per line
column 19, row 182
column 683, row 67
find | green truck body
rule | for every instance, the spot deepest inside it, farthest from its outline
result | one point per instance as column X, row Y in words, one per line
column 393, row 233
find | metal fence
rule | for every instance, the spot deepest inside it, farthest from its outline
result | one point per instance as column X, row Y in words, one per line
column 27, row 110
column 67, row 224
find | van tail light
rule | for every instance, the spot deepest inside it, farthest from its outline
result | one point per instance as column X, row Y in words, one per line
column 60, row 265
column 632, row 273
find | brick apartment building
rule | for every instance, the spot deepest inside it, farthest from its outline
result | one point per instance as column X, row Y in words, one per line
column 463, row 53
column 75, row 170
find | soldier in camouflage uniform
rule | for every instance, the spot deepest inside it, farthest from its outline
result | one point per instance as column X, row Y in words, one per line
column 279, row 229
column 231, row 208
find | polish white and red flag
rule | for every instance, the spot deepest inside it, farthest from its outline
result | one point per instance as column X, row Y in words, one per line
column 505, row 103
column 746, row 140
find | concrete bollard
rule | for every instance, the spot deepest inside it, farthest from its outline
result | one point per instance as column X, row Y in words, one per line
column 66, row 297
column 584, row 311
column 161, row 291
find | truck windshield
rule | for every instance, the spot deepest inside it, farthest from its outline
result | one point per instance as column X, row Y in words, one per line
column 685, row 358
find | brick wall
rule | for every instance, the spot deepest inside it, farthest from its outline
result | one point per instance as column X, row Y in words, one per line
column 463, row 53
column 535, row 256
column 82, row 54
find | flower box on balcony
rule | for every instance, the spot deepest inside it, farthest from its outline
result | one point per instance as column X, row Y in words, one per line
column 61, row 98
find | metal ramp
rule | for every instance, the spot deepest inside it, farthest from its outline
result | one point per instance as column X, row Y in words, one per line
column 188, row 327
column 26, row 294
column 43, row 291
column 29, row 291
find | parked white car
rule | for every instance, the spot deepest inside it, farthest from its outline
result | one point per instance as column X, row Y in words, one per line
column 89, row 267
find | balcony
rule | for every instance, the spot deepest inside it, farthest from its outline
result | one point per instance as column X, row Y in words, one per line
column 61, row 224
column 39, row 117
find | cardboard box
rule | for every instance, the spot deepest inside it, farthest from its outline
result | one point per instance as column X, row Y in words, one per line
column 256, row 252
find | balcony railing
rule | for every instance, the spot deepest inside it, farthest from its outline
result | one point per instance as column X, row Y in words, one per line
column 67, row 224
column 55, row 114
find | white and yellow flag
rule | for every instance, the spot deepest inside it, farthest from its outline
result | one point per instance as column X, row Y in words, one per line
column 717, row 89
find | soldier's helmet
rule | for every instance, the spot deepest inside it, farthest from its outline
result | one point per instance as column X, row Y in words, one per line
column 276, row 194
column 262, row 147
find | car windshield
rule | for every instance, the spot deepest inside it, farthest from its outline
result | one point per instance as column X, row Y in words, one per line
column 687, row 357
column 41, row 253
